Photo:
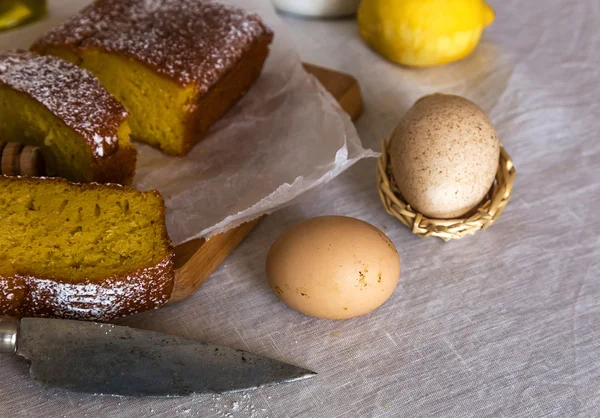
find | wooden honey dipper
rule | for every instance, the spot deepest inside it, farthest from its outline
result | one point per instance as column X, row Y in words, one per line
column 21, row 160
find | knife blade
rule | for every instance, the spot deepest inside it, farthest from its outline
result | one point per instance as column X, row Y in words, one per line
column 109, row 359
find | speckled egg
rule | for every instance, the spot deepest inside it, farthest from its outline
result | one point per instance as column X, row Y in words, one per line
column 444, row 156
column 333, row 267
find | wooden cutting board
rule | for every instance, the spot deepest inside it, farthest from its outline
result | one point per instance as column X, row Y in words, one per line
column 196, row 260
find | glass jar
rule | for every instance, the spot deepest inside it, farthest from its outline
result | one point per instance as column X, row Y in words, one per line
column 15, row 13
column 318, row 8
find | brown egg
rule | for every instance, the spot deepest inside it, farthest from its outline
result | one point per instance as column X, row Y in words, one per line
column 444, row 156
column 333, row 267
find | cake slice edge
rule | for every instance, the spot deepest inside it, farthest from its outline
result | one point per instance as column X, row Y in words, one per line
column 142, row 286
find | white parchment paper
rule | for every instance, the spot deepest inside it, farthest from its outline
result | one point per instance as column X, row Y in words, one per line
column 284, row 138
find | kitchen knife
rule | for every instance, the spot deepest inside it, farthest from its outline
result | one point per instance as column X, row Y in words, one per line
column 109, row 359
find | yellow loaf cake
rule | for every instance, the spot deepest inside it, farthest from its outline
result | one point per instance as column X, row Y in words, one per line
column 81, row 251
column 176, row 65
column 81, row 129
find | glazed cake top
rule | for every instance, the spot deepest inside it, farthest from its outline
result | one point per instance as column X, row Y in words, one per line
column 187, row 41
column 70, row 93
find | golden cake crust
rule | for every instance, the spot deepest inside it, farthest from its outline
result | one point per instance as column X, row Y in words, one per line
column 24, row 294
column 72, row 94
column 223, row 95
column 105, row 300
column 78, row 99
column 116, row 168
column 191, row 42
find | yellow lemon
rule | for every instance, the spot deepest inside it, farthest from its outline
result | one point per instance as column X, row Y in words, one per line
column 423, row 33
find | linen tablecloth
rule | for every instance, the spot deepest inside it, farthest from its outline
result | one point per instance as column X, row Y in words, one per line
column 501, row 324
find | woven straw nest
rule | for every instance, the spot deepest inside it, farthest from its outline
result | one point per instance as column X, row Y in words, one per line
column 481, row 218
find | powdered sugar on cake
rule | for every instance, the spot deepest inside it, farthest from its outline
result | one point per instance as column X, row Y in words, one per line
column 188, row 41
column 72, row 94
column 99, row 140
column 96, row 300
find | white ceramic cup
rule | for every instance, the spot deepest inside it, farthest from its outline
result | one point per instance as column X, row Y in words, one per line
column 318, row 8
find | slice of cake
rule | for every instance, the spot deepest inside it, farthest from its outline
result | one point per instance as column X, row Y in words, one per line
column 81, row 251
column 176, row 65
column 81, row 129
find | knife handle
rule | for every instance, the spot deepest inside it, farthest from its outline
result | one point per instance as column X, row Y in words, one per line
column 9, row 327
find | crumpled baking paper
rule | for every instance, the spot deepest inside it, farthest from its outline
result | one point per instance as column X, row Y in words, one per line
column 284, row 138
